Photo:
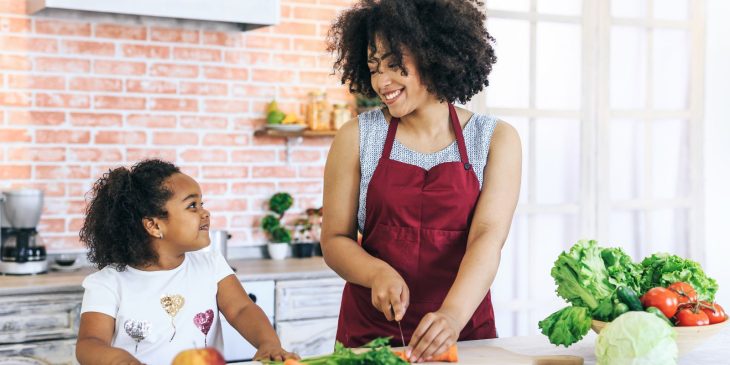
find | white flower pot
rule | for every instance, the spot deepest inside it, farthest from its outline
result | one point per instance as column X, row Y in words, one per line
column 278, row 251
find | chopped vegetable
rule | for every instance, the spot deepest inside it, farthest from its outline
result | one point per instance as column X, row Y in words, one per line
column 451, row 355
column 379, row 354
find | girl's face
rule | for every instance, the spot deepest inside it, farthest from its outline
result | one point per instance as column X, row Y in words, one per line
column 187, row 222
column 401, row 94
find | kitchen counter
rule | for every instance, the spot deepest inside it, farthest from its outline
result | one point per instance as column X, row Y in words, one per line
column 246, row 270
column 519, row 350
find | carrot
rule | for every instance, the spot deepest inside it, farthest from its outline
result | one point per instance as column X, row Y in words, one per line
column 401, row 354
column 292, row 362
column 450, row 355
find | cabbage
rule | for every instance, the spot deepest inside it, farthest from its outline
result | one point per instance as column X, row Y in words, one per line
column 636, row 338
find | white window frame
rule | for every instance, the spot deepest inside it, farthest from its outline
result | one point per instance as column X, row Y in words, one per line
column 594, row 206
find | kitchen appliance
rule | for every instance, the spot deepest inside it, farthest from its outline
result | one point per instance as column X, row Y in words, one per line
column 219, row 242
column 21, row 248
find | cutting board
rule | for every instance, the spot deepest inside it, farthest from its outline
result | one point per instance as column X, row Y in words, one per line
column 485, row 354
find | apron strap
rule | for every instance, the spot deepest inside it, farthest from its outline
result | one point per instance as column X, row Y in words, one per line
column 392, row 128
column 455, row 124
column 459, row 137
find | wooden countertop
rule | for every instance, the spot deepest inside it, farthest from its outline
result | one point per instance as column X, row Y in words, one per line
column 521, row 350
column 246, row 270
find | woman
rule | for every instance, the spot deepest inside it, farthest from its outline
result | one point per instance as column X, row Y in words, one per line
column 414, row 178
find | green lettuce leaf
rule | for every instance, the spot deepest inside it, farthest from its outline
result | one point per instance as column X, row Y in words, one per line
column 663, row 269
column 566, row 326
column 582, row 277
column 622, row 271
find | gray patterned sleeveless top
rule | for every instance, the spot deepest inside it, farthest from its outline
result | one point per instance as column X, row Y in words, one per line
column 374, row 128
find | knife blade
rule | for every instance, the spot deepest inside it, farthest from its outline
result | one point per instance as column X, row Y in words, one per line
column 402, row 338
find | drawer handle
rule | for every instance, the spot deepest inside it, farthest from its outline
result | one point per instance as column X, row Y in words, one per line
column 252, row 296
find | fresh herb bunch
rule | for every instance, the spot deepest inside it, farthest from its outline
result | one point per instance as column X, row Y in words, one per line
column 379, row 353
column 271, row 224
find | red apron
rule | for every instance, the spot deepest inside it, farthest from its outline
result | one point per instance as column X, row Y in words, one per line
column 418, row 222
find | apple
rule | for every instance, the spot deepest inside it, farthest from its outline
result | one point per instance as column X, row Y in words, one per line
column 206, row 356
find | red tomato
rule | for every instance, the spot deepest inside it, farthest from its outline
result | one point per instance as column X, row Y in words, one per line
column 685, row 292
column 717, row 315
column 662, row 298
column 688, row 317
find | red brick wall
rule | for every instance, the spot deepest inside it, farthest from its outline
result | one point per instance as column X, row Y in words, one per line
column 80, row 93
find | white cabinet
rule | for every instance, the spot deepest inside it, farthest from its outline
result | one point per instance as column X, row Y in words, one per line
column 39, row 317
column 59, row 352
column 306, row 314
column 236, row 348
column 42, row 326
column 308, row 337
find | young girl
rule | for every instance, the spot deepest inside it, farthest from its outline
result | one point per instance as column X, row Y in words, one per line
column 155, row 294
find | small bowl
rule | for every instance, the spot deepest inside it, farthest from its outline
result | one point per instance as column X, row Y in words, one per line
column 65, row 260
column 687, row 337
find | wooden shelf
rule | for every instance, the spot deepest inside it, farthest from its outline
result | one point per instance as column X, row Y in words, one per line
column 292, row 138
column 265, row 132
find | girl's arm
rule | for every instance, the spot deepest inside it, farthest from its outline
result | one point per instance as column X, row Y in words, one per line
column 487, row 234
column 249, row 320
column 339, row 228
column 93, row 346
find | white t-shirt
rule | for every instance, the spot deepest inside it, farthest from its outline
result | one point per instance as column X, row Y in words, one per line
column 149, row 302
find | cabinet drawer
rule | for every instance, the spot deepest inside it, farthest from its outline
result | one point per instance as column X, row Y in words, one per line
column 305, row 299
column 61, row 352
column 309, row 337
column 39, row 317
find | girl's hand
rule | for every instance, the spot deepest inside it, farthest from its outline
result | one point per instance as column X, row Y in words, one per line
column 273, row 352
column 434, row 335
column 390, row 294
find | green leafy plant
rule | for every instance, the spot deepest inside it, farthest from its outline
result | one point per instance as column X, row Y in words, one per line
column 363, row 101
column 271, row 224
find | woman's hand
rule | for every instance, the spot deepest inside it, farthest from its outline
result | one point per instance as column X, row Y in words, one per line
column 273, row 351
column 434, row 335
column 390, row 294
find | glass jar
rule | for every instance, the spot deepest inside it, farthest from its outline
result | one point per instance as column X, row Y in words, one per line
column 317, row 113
column 340, row 115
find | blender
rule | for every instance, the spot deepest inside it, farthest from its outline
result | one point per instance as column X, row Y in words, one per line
column 21, row 249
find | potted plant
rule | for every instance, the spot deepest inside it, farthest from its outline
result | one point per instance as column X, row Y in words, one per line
column 314, row 216
column 303, row 245
column 279, row 235
column 365, row 103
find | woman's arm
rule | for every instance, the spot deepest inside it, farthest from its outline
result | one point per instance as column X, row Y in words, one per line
column 487, row 234
column 93, row 346
column 339, row 228
column 249, row 320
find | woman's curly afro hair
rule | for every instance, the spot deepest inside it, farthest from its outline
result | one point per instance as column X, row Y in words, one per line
column 120, row 200
column 447, row 38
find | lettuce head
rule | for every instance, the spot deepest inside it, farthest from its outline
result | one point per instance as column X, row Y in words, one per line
column 637, row 338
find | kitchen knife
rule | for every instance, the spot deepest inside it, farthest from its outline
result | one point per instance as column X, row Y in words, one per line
column 402, row 338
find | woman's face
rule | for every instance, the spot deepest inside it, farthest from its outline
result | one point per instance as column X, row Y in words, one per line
column 401, row 94
column 187, row 222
